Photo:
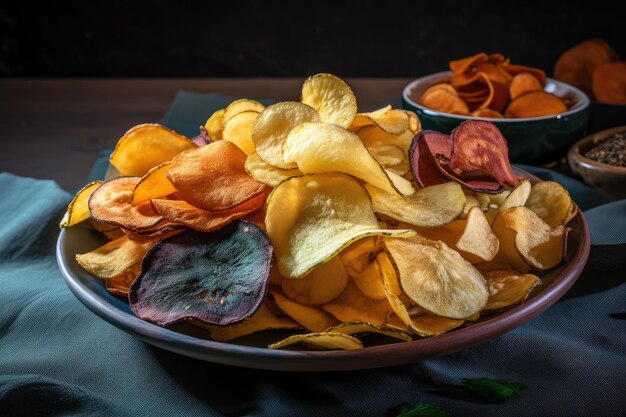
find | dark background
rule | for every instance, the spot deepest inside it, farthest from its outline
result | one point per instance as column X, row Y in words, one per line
column 260, row 38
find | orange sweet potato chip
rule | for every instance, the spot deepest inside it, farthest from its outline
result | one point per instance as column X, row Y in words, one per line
column 461, row 66
column 577, row 64
column 441, row 99
column 213, row 177
column 513, row 70
column 119, row 285
column 523, row 83
column 609, row 82
column 535, row 104
column 487, row 113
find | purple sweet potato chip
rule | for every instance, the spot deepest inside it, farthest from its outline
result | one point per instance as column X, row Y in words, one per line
column 422, row 157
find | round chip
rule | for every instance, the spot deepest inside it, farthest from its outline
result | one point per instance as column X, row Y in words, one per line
column 153, row 185
column 239, row 106
column 266, row 173
column 78, row 209
column 320, row 286
column 331, row 97
column 215, row 124
column 238, row 130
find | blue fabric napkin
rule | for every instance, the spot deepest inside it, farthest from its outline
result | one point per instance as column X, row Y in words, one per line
column 59, row 359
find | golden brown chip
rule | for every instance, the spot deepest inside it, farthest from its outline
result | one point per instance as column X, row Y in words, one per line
column 353, row 305
column 113, row 258
column 238, row 130
column 551, row 202
column 240, row 106
column 153, row 185
column 312, row 318
column 78, row 209
column 215, row 124
column 331, row 97
column 357, row 327
column 508, row 288
column 266, row 173
column 322, row 341
column 322, row 285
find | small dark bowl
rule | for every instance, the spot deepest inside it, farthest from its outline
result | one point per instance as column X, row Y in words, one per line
column 604, row 116
column 529, row 139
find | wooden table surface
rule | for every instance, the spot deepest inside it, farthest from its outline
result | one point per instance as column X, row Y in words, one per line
column 54, row 128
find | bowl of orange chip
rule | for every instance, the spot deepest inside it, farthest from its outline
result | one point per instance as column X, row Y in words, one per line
column 538, row 115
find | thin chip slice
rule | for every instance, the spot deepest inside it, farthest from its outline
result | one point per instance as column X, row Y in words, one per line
column 358, row 327
column 478, row 243
column 238, row 130
column 322, row 285
column 313, row 217
column 609, row 82
column 213, row 177
column 551, row 202
column 392, row 121
column 370, row 282
column 508, row 288
column 414, row 122
column 266, row 173
column 429, row 207
column 146, row 146
column 240, row 106
column 517, row 197
column 374, row 136
column 215, row 124
column 331, row 97
column 321, row 341
column 353, row 305
column 78, row 209
column 312, row 318
column 325, row 147
column 523, row 83
column 437, row 278
column 360, row 253
column 113, row 258
column 153, row 185
column 271, row 128
column 219, row 278
column 535, row 104
column 120, row 284
column 387, row 155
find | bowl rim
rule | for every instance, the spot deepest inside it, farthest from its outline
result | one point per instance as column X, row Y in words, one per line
column 407, row 88
column 574, row 151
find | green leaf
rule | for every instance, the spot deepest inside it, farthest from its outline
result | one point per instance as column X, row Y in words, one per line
column 423, row 410
column 495, row 390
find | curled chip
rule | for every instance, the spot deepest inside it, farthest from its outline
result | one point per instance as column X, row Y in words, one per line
column 517, row 197
column 374, row 136
column 331, row 97
column 387, row 155
column 425, row 148
column 360, row 253
column 312, row 318
column 219, row 278
column 527, row 242
column 153, row 185
column 443, row 99
column 508, row 288
column 111, row 203
column 429, row 207
column 215, row 124
column 325, row 147
column 114, row 258
column 523, row 83
column 266, row 173
column 359, row 327
column 146, row 146
column 213, row 177
column 313, row 217
column 271, row 128
column 322, row 285
column 240, row 106
column 263, row 319
column 120, row 284
column 552, row 203
column 392, row 121
column 478, row 243
column 238, row 130
column 370, row 282
column 321, row 341
column 437, row 278
column 78, row 209
column 353, row 305
column 535, row 104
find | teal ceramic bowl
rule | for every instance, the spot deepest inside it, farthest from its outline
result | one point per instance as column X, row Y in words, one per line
column 530, row 139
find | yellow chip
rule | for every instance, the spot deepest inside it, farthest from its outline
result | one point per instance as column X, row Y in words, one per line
column 360, row 253
column 392, row 121
column 240, row 106
column 312, row 218
column 478, row 243
column 266, row 173
column 324, row 147
column 271, row 128
column 238, row 130
column 517, row 197
column 322, row 285
column 353, row 305
column 312, row 318
column 358, row 327
column 370, row 283
column 78, row 209
column 414, row 122
column 322, row 341
column 153, row 185
column 146, row 146
column 215, row 124
column 508, row 288
column 373, row 136
column 331, row 97
column 401, row 169
column 551, row 202
column 113, row 258
column 387, row 155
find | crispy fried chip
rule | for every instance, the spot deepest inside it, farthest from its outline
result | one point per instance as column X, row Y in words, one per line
column 213, row 177
column 387, row 155
column 523, row 83
column 517, row 197
column 353, row 305
column 146, row 146
column 437, row 278
column 153, row 185
column 392, row 121
column 271, row 128
column 551, row 202
column 577, row 65
column 240, row 106
column 374, row 136
column 443, row 100
column 266, row 173
column 113, row 258
column 238, row 130
column 487, row 113
column 325, row 147
column 535, row 104
column 78, row 209
column 609, row 82
column 120, row 284
column 312, row 318
column 313, row 217
column 360, row 253
column 321, row 341
column 215, row 125
column 508, row 288
column 478, row 243
column 429, row 207
column 331, row 97
column 322, row 285
column 359, row 327
column 369, row 281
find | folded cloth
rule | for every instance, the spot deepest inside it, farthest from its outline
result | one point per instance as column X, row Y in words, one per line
column 57, row 358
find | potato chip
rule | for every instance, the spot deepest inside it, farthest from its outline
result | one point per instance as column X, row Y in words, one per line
column 113, row 258
column 146, row 146
column 313, row 217
column 312, row 318
column 113, row 234
column 266, row 173
column 401, row 169
column 437, row 278
column 429, row 207
column 360, row 253
column 213, row 177
column 414, row 122
column 78, row 209
column 271, row 128
column 322, row 341
column 353, row 305
column 508, row 288
column 238, row 130
column 263, row 319
column 120, row 284
column 478, row 243
column 322, row 285
column 551, row 202
column 325, row 147
column 517, row 197
column 215, row 125
column 358, row 327
column 331, row 97
column 392, row 121
column 387, row 155
column 374, row 136
column 240, row 106
column 153, row 185
column 370, row 283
